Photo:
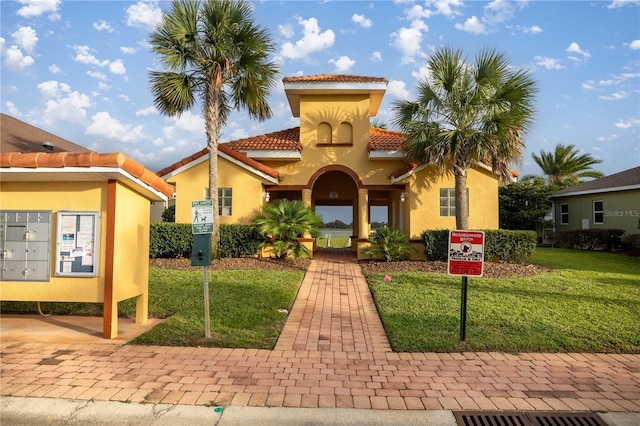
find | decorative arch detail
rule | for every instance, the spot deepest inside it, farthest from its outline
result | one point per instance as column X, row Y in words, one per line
column 345, row 133
column 324, row 133
column 335, row 168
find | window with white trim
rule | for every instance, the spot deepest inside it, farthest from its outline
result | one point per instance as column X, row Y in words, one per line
column 225, row 197
column 448, row 201
column 564, row 214
column 598, row 212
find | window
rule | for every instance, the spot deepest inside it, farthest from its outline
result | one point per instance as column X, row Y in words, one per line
column 564, row 214
column 598, row 212
column 224, row 200
column 448, row 201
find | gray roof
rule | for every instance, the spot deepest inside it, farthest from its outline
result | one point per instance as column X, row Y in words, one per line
column 18, row 136
column 621, row 181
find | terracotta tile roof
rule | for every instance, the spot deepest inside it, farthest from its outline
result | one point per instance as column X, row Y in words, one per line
column 333, row 78
column 41, row 160
column 385, row 140
column 283, row 140
column 18, row 136
column 226, row 150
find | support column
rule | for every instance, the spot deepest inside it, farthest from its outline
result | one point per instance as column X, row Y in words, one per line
column 110, row 306
column 363, row 213
column 306, row 201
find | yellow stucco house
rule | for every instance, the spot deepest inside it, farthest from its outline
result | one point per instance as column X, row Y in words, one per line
column 74, row 224
column 335, row 158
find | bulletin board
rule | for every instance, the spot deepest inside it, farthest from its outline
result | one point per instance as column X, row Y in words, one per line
column 77, row 242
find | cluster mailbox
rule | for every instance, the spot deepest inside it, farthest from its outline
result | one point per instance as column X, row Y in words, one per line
column 25, row 237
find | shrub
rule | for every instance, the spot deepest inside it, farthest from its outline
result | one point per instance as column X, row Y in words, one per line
column 631, row 242
column 168, row 239
column 500, row 245
column 169, row 214
column 590, row 239
column 239, row 241
column 389, row 243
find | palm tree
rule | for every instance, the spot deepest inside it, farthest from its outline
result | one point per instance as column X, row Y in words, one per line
column 467, row 113
column 213, row 54
column 565, row 167
column 283, row 223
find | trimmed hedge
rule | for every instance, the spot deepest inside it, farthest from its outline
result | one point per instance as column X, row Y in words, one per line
column 170, row 240
column 631, row 242
column 590, row 239
column 500, row 245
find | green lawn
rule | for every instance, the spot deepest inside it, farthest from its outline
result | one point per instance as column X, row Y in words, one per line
column 244, row 307
column 589, row 302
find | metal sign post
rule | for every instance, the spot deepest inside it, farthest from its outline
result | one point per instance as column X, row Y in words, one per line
column 466, row 258
column 202, row 227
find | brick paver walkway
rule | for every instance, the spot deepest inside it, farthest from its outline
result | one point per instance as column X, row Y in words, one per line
column 354, row 369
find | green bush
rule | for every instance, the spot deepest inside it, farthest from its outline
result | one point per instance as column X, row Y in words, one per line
column 239, row 241
column 590, row 239
column 631, row 242
column 169, row 214
column 389, row 243
column 500, row 245
column 169, row 240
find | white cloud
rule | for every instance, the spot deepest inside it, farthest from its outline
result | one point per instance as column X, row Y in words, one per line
column 609, row 138
column 14, row 59
column 398, row 89
column 632, row 122
column 312, row 40
column 103, row 26
column 548, row 63
column 498, row 11
column 117, row 67
column 35, row 8
column 417, row 12
column 123, row 97
column 11, row 108
column 622, row 3
column 408, row 40
column 103, row 86
column 588, row 85
column 286, row 30
column 62, row 103
column 144, row 112
column 447, row 8
column 54, row 69
column 473, row 25
column 376, row 56
column 185, row 129
column 634, row 45
column 534, row 29
column 362, row 20
column 144, row 14
column 342, row 65
column 128, row 50
column 103, row 125
column 26, row 38
column 575, row 48
column 84, row 56
column 615, row 96
column 97, row 75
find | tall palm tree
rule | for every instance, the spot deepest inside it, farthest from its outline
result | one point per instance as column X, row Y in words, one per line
column 215, row 55
column 467, row 113
column 565, row 166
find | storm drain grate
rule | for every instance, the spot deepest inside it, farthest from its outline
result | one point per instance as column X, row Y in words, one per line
column 527, row 418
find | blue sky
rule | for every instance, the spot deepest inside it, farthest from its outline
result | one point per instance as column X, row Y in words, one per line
column 80, row 69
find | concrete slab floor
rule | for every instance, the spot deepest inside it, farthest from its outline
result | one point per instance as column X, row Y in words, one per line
column 68, row 329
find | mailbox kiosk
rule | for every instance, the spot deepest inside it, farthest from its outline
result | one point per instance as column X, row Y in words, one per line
column 74, row 227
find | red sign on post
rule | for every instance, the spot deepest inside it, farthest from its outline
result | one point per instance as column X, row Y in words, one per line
column 466, row 253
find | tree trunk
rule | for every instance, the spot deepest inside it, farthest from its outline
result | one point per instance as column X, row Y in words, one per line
column 212, row 122
column 462, row 208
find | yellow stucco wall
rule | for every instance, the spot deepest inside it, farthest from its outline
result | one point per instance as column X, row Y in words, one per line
column 191, row 184
column 131, row 254
column 424, row 203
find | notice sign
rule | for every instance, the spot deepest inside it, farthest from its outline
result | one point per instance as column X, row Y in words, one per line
column 202, row 217
column 466, row 253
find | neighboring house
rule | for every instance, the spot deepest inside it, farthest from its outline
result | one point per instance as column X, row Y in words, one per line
column 74, row 224
column 335, row 158
column 611, row 202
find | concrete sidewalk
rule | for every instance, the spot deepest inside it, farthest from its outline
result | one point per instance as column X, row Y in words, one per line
column 40, row 411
